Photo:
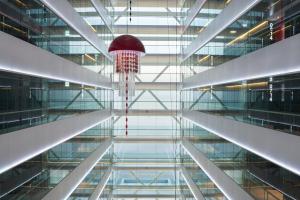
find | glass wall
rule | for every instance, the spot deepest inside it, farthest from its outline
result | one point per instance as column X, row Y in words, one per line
column 259, row 177
column 266, row 23
column 28, row 101
column 49, row 32
column 209, row 11
column 208, row 189
column 270, row 102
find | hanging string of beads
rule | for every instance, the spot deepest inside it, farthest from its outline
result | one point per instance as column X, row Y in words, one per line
column 126, row 83
column 130, row 10
column 126, row 103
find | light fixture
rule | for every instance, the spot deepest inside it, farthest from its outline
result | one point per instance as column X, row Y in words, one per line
column 90, row 57
column 249, row 85
column 250, row 32
column 203, row 59
column 127, row 51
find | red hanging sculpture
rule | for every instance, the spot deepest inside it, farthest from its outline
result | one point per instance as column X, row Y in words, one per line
column 127, row 51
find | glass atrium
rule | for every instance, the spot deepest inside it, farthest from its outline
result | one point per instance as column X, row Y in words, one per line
column 215, row 114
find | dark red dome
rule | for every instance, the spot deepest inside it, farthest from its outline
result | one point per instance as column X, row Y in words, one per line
column 126, row 42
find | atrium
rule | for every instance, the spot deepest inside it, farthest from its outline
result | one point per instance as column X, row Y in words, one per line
column 149, row 99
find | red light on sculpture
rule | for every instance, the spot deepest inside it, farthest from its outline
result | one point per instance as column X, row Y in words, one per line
column 127, row 51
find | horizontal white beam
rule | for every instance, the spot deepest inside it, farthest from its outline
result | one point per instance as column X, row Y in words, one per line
column 65, row 188
column 100, row 187
column 103, row 13
column 278, row 147
column 192, row 13
column 67, row 13
column 19, row 146
column 18, row 56
column 265, row 62
column 228, row 187
column 151, row 112
column 233, row 11
column 143, row 196
column 143, row 168
column 134, row 140
column 154, row 85
column 190, row 183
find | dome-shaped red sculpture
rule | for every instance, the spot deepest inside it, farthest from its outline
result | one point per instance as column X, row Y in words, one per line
column 127, row 51
column 126, row 42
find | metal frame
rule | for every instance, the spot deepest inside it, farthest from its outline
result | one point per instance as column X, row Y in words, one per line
column 143, row 91
column 154, row 96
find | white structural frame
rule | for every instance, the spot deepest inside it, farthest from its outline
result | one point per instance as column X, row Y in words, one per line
column 192, row 13
column 266, row 62
column 100, row 187
column 18, row 56
column 67, row 13
column 19, row 146
column 234, row 10
column 276, row 146
column 102, row 11
column 192, row 186
column 227, row 186
column 65, row 188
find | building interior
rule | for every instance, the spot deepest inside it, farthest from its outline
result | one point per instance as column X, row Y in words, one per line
column 150, row 99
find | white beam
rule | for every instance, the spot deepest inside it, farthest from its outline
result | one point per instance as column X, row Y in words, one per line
column 143, row 196
column 65, row 188
column 143, row 168
column 67, row 13
column 135, row 140
column 100, row 187
column 154, row 85
column 192, row 13
column 103, row 14
column 265, row 62
column 232, row 12
column 190, row 183
column 228, row 187
column 151, row 112
column 18, row 56
column 19, row 146
column 278, row 147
